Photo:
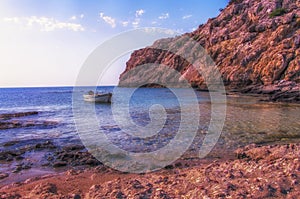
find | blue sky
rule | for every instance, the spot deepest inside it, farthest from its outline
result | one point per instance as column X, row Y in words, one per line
column 44, row 43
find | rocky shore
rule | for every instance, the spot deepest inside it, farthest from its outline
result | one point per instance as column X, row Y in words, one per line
column 42, row 168
column 280, row 91
column 12, row 120
column 42, row 155
column 255, row 172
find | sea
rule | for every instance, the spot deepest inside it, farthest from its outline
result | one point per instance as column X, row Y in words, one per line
column 161, row 112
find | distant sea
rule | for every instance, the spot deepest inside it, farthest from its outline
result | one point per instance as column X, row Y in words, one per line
column 51, row 103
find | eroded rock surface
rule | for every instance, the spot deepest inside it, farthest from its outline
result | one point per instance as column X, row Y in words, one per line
column 251, row 42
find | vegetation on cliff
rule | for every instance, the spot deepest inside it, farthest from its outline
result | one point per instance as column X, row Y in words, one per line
column 252, row 42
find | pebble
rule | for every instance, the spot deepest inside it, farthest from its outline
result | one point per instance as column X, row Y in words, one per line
column 59, row 164
column 3, row 175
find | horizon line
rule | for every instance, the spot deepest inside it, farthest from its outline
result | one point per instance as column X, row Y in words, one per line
column 55, row 86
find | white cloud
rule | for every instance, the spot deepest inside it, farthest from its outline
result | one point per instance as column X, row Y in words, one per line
column 12, row 19
column 136, row 23
column 179, row 31
column 193, row 29
column 187, row 16
column 73, row 18
column 163, row 31
column 109, row 20
column 45, row 23
column 139, row 13
column 154, row 22
column 164, row 16
column 125, row 23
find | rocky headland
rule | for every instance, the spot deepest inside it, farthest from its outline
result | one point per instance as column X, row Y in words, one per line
column 254, row 43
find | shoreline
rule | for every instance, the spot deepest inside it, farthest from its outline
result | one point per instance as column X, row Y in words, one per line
column 88, row 178
column 280, row 91
column 256, row 171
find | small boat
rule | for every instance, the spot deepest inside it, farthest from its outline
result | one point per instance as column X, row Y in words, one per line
column 97, row 97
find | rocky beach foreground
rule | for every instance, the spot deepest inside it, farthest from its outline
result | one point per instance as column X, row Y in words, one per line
column 255, row 172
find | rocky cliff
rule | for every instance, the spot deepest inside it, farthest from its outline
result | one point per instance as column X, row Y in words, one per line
column 254, row 43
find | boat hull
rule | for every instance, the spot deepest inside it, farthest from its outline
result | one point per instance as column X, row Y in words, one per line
column 99, row 98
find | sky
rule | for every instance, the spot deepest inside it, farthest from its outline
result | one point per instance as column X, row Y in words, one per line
column 45, row 43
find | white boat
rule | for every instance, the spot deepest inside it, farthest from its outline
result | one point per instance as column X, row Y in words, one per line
column 97, row 97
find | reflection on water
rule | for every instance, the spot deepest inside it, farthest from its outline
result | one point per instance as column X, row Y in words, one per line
column 249, row 121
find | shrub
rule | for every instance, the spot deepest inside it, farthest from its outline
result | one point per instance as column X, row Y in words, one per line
column 235, row 1
column 196, row 37
column 297, row 22
column 277, row 12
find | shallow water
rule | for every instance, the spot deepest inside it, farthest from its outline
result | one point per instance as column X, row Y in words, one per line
column 251, row 121
column 247, row 119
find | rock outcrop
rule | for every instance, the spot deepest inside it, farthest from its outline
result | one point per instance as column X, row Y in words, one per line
column 259, row 173
column 256, row 172
column 252, row 42
column 11, row 121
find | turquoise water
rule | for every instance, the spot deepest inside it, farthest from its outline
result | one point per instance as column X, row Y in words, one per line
column 247, row 119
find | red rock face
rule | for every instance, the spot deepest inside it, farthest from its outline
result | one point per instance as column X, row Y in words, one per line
column 251, row 42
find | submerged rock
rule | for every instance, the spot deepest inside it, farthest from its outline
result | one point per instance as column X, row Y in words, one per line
column 20, row 114
column 3, row 175
column 72, row 155
column 59, row 164
column 12, row 124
